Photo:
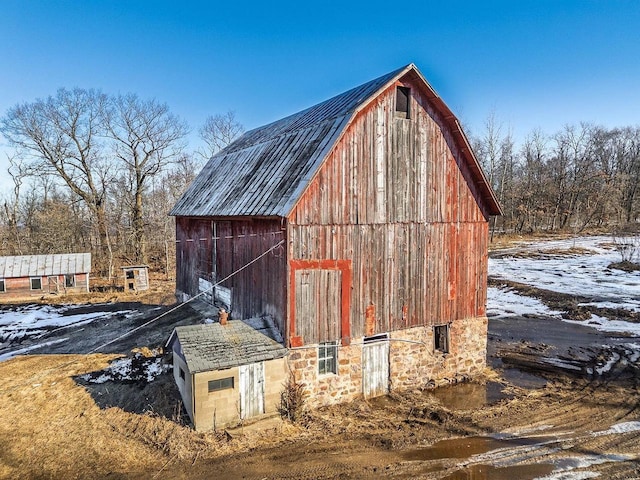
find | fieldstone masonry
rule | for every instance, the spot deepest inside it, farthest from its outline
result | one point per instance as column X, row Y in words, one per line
column 414, row 362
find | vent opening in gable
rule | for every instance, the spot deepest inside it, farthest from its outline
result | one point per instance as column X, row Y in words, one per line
column 402, row 102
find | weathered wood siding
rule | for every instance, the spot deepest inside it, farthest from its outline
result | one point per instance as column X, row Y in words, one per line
column 318, row 304
column 396, row 197
column 194, row 253
column 214, row 249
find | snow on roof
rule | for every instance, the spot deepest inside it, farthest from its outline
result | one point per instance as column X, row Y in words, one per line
column 17, row 266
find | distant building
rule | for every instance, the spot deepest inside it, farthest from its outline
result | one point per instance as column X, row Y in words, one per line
column 136, row 278
column 35, row 275
column 360, row 226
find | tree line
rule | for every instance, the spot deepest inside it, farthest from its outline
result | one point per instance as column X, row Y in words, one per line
column 582, row 176
column 99, row 173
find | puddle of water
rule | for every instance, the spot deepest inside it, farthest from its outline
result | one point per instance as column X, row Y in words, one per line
column 468, row 446
column 523, row 379
column 488, row 472
column 469, row 396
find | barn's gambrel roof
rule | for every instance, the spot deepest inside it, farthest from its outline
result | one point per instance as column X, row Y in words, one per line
column 266, row 170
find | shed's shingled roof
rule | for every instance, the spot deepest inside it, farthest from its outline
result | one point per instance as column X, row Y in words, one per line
column 214, row 346
column 266, row 170
column 41, row 265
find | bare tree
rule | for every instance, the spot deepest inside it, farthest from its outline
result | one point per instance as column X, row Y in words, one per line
column 18, row 173
column 219, row 131
column 146, row 137
column 60, row 136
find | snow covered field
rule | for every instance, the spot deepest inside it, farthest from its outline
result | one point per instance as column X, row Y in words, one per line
column 549, row 266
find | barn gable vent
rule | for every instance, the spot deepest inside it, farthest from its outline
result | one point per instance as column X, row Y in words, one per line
column 402, row 102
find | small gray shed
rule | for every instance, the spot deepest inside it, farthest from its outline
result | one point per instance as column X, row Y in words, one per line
column 228, row 373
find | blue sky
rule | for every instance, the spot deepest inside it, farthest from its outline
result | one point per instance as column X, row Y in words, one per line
column 543, row 63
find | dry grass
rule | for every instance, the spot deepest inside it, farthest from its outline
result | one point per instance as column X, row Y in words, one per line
column 54, row 427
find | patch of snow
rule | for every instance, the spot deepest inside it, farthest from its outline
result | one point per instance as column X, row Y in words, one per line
column 561, row 363
column 613, row 359
column 611, row 326
column 570, row 476
column 505, row 302
column 565, row 466
column 36, row 320
column 8, row 355
column 123, row 369
column 574, row 274
column 618, row 428
column 155, row 369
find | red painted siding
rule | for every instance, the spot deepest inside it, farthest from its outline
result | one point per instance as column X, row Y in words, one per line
column 396, row 197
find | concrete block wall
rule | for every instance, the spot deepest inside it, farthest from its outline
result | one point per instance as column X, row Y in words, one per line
column 216, row 409
column 219, row 409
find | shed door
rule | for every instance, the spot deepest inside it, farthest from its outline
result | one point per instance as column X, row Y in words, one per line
column 375, row 366
column 251, row 390
column 53, row 285
column 318, row 305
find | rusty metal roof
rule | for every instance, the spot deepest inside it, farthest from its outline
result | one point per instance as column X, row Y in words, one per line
column 41, row 265
column 266, row 170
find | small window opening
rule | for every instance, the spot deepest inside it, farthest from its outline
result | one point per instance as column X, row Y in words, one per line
column 130, row 274
column 182, row 374
column 376, row 338
column 3, row 287
column 69, row 280
column 441, row 338
column 402, row 102
column 220, row 384
column 327, row 358
column 36, row 283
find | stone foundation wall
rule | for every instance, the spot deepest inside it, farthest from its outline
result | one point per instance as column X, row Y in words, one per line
column 414, row 362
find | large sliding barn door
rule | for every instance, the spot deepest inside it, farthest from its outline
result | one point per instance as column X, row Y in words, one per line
column 375, row 366
column 251, row 390
column 318, row 305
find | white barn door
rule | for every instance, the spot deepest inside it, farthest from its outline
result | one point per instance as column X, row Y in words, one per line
column 375, row 366
column 251, row 390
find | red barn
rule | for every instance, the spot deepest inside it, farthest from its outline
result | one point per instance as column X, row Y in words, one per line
column 360, row 227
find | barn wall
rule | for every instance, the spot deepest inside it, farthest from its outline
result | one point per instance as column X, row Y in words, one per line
column 256, row 290
column 395, row 198
column 386, row 169
column 193, row 252
column 404, row 275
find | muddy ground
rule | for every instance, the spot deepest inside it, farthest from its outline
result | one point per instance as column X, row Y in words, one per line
column 544, row 407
